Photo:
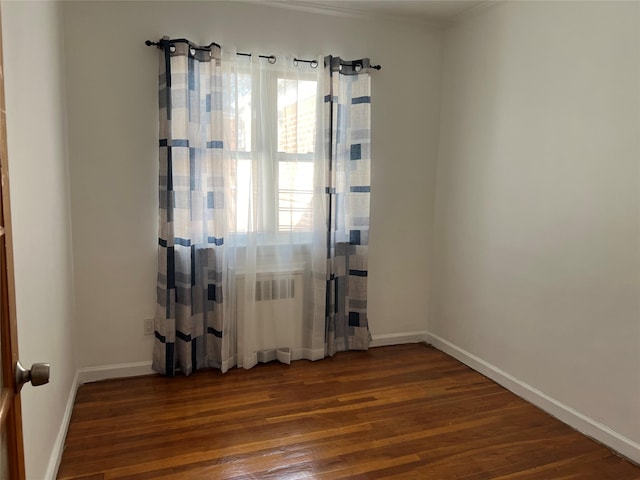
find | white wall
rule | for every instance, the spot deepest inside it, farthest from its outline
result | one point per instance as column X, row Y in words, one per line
column 112, row 104
column 36, row 131
column 537, row 210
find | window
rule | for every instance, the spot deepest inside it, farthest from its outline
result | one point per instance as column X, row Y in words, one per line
column 296, row 148
column 275, row 144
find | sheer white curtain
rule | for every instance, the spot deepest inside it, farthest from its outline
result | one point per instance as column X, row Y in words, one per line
column 273, row 139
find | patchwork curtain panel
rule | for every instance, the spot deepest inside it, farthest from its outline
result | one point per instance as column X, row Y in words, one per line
column 264, row 174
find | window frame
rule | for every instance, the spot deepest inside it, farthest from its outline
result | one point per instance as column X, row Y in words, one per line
column 265, row 150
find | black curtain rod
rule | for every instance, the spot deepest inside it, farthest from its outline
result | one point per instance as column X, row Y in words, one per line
column 270, row 58
column 160, row 44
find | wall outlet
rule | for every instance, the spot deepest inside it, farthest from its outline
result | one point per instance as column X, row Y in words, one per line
column 148, row 326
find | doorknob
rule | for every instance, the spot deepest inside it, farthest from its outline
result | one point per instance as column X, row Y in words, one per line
column 38, row 375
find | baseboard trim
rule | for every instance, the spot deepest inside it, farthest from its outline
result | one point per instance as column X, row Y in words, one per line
column 123, row 370
column 120, row 370
column 58, row 447
column 398, row 338
column 599, row 432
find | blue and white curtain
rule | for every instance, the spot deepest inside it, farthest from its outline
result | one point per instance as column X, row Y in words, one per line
column 348, row 146
column 263, row 208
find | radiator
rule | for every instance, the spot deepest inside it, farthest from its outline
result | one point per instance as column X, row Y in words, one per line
column 278, row 313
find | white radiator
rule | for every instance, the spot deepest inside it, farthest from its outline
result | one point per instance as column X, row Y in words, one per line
column 277, row 316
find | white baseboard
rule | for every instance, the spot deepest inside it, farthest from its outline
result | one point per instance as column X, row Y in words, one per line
column 397, row 338
column 58, row 446
column 603, row 434
column 123, row 370
column 120, row 370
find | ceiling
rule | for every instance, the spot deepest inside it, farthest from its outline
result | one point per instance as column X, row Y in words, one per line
column 423, row 11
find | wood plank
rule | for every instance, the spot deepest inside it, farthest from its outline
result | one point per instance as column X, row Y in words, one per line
column 401, row 412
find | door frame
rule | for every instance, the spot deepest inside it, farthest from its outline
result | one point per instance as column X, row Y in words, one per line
column 10, row 404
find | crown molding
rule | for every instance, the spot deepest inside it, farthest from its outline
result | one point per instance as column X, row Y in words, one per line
column 338, row 10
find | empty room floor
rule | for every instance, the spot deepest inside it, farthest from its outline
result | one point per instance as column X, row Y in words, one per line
column 401, row 412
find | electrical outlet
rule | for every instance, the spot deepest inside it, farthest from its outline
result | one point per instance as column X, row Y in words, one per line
column 148, row 326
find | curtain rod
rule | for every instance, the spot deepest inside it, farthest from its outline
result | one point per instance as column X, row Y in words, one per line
column 270, row 58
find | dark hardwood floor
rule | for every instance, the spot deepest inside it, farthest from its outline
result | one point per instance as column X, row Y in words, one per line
column 402, row 412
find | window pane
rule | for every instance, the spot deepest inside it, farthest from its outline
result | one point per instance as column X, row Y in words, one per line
column 238, row 114
column 243, row 198
column 295, row 195
column 296, row 115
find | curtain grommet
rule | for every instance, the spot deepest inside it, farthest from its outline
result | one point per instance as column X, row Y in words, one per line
column 192, row 51
column 314, row 64
column 172, row 48
column 271, row 59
